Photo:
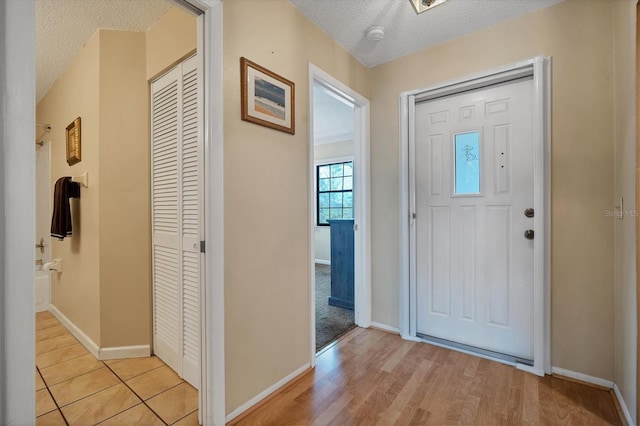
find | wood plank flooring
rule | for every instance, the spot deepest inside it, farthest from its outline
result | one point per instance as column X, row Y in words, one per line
column 375, row 378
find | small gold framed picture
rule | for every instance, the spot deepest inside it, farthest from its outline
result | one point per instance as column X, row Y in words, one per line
column 267, row 98
column 73, row 142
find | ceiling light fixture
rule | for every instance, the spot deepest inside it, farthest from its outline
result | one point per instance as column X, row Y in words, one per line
column 375, row 33
column 424, row 5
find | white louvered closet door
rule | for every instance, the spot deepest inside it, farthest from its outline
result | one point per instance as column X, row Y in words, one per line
column 176, row 180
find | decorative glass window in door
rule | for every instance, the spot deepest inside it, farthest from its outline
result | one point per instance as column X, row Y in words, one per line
column 467, row 163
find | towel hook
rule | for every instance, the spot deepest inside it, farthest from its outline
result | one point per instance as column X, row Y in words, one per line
column 82, row 179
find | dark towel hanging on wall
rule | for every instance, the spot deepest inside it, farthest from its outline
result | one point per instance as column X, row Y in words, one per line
column 61, row 219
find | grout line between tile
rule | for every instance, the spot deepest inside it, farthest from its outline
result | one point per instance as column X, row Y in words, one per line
column 53, row 399
column 89, row 394
column 59, row 347
column 185, row 416
column 137, row 375
column 134, row 392
column 41, row 378
column 73, row 377
column 167, row 389
column 58, row 408
column 65, row 360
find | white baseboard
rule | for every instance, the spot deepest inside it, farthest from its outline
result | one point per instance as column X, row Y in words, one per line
column 101, row 354
column 625, row 410
column 265, row 393
column 139, row 351
column 385, row 327
column 41, row 307
column 86, row 341
column 583, row 377
column 322, row 262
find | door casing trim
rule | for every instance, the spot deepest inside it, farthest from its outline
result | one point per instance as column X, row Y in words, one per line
column 362, row 203
column 212, row 408
column 18, row 115
column 540, row 69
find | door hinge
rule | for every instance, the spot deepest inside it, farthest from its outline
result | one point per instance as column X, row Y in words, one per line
column 202, row 247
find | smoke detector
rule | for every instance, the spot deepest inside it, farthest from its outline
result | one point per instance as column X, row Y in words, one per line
column 375, row 33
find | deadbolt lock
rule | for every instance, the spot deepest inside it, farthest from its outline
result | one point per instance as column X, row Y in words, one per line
column 529, row 212
column 528, row 234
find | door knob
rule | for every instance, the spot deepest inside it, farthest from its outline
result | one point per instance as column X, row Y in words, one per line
column 528, row 234
column 529, row 212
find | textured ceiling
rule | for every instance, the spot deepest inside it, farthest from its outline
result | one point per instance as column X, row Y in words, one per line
column 333, row 118
column 347, row 20
column 64, row 26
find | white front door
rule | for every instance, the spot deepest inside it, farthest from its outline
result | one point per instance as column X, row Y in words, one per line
column 473, row 182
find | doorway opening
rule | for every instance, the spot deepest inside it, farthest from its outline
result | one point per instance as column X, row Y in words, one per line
column 333, row 121
column 339, row 206
column 208, row 306
column 468, row 188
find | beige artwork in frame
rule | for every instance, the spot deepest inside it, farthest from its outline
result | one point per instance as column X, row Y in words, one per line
column 73, row 142
column 267, row 98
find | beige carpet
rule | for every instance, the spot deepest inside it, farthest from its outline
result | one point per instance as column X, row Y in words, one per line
column 331, row 321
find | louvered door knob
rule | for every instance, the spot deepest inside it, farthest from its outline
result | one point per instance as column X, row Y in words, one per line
column 528, row 234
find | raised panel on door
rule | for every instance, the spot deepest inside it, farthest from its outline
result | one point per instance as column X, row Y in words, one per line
column 473, row 180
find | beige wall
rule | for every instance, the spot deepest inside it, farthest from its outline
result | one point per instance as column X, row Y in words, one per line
column 325, row 151
column 76, row 291
column 577, row 34
column 625, row 307
column 267, row 267
column 104, row 288
column 170, row 40
column 125, row 235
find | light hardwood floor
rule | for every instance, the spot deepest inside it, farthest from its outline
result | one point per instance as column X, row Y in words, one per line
column 375, row 378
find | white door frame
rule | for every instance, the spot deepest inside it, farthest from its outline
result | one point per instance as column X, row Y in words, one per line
column 17, row 328
column 17, row 201
column 362, row 204
column 540, row 68
column 210, row 43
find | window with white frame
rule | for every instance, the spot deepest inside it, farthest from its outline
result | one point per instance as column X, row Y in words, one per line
column 334, row 192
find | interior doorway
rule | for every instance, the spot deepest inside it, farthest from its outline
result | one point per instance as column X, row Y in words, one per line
column 20, row 361
column 333, row 129
column 339, row 205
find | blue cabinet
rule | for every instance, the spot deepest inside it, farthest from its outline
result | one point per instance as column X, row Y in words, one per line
column 342, row 261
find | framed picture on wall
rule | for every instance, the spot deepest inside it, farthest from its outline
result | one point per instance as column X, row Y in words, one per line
column 73, row 142
column 267, row 98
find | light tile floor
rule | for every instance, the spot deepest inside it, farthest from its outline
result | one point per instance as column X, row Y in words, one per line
column 73, row 388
